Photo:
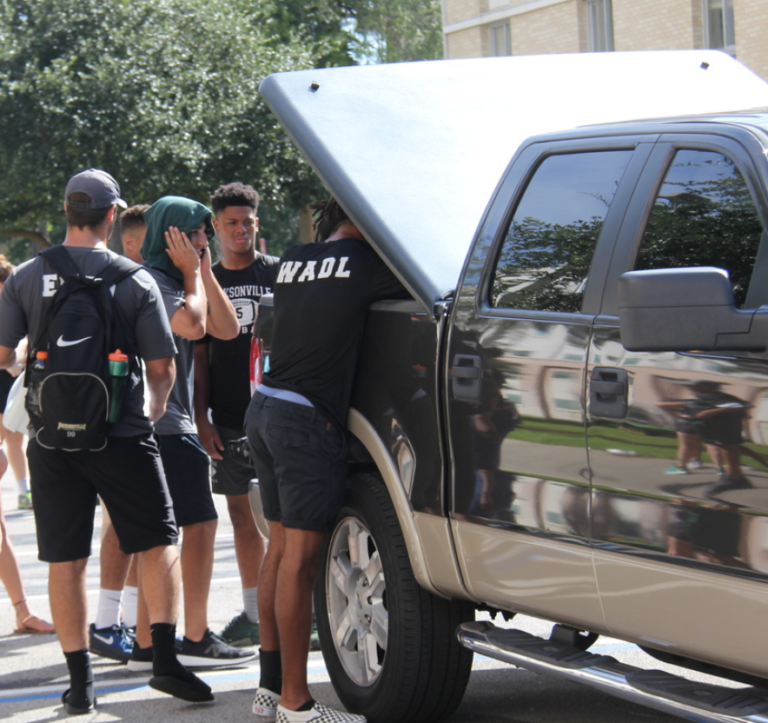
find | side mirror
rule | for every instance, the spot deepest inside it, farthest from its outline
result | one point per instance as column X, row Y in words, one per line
column 686, row 309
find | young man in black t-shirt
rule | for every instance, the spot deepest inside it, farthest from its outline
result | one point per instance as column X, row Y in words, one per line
column 296, row 425
column 222, row 384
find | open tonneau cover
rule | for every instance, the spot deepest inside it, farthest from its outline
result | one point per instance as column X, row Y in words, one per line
column 414, row 150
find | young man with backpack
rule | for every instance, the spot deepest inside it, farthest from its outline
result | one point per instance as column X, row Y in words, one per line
column 74, row 455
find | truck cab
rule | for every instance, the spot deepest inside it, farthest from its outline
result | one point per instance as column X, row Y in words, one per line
column 569, row 418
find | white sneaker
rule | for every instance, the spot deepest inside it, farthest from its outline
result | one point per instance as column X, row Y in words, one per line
column 265, row 705
column 318, row 714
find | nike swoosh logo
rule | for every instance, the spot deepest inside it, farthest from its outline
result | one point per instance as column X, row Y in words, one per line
column 104, row 639
column 60, row 341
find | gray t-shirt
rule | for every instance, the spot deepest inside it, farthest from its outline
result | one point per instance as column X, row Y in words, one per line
column 179, row 415
column 30, row 289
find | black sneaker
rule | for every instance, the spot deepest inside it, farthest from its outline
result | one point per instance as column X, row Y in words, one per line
column 727, row 483
column 112, row 642
column 212, row 652
column 141, row 659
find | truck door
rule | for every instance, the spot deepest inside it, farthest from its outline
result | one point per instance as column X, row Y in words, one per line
column 516, row 361
column 678, row 446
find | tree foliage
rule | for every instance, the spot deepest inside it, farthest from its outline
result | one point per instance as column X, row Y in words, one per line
column 394, row 31
column 161, row 93
column 164, row 95
column 342, row 32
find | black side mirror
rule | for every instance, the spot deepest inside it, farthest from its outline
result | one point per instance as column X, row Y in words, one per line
column 686, row 309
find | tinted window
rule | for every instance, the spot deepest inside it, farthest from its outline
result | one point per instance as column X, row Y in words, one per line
column 548, row 247
column 703, row 216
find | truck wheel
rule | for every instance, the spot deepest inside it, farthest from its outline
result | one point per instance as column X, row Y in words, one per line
column 390, row 647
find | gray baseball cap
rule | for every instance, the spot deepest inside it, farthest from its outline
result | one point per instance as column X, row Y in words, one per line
column 99, row 186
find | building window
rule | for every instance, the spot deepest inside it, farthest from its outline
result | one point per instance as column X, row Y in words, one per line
column 501, row 39
column 600, row 24
column 718, row 25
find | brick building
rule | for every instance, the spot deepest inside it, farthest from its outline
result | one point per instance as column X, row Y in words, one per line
column 477, row 28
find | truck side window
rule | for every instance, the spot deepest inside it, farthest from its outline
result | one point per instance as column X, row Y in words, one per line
column 548, row 247
column 703, row 216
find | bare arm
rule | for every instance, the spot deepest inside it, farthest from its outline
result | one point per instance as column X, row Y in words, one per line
column 222, row 320
column 207, row 433
column 189, row 320
column 7, row 357
column 161, row 373
column 21, row 359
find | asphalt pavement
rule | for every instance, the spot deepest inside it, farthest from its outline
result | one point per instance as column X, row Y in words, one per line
column 33, row 674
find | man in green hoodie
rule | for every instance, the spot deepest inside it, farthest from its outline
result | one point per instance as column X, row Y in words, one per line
column 176, row 253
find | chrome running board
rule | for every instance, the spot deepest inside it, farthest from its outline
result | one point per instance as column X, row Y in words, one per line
column 652, row 688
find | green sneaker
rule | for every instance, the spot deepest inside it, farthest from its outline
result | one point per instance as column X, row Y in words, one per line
column 314, row 638
column 25, row 501
column 241, row 632
column 677, row 470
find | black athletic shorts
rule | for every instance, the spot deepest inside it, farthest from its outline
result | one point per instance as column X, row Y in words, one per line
column 188, row 473
column 126, row 474
column 233, row 474
column 6, row 382
column 301, row 463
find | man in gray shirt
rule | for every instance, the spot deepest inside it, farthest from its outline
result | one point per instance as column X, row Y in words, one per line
column 176, row 253
column 126, row 473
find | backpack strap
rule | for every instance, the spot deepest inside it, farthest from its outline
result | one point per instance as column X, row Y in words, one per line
column 61, row 260
column 118, row 269
column 58, row 257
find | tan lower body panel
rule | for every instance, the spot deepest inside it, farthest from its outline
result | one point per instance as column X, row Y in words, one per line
column 696, row 613
column 534, row 575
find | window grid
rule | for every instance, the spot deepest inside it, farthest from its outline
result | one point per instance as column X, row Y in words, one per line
column 719, row 31
column 600, row 25
column 501, row 39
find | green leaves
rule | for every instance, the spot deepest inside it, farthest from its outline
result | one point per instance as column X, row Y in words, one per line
column 163, row 94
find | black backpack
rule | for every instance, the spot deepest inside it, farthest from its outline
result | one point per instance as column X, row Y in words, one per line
column 82, row 327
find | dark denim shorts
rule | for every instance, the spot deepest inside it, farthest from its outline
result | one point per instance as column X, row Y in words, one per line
column 301, row 462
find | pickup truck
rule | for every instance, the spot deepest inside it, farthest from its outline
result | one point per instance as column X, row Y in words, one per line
column 570, row 417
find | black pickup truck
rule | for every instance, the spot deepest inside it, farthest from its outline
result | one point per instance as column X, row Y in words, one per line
column 570, row 417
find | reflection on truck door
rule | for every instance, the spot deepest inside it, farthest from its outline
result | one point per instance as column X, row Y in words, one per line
column 518, row 353
column 681, row 483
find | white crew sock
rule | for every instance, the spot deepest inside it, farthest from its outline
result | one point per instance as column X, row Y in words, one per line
column 130, row 606
column 251, row 603
column 108, row 613
column 23, row 485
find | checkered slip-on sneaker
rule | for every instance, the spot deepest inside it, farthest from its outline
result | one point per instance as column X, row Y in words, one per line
column 265, row 705
column 318, row 714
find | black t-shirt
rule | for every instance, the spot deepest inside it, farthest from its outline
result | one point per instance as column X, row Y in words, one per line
column 229, row 359
column 322, row 295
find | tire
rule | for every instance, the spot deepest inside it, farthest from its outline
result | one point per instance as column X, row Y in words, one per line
column 390, row 647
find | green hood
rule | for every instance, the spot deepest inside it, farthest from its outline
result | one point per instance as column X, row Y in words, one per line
column 169, row 211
